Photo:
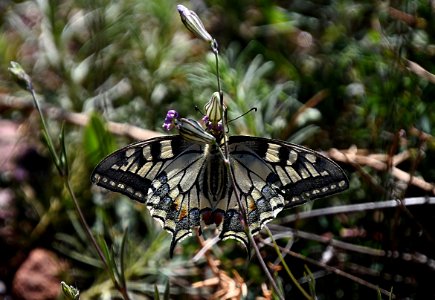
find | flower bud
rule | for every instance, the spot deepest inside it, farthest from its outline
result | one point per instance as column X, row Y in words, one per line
column 213, row 109
column 192, row 22
column 21, row 75
column 69, row 291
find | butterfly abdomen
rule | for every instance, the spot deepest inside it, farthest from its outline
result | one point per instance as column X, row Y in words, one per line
column 215, row 179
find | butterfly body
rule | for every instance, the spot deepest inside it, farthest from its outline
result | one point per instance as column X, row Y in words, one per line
column 186, row 184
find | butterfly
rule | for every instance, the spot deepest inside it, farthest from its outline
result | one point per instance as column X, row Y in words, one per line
column 186, row 182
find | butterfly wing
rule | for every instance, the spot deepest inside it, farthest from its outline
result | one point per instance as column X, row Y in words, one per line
column 256, row 186
column 175, row 197
column 170, row 173
column 271, row 175
column 131, row 169
column 304, row 174
column 163, row 173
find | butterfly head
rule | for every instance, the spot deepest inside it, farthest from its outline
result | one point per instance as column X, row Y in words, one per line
column 192, row 130
column 189, row 129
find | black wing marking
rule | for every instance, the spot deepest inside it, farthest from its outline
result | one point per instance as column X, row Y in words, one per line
column 258, row 189
column 271, row 175
column 163, row 173
column 131, row 169
column 304, row 173
column 168, row 174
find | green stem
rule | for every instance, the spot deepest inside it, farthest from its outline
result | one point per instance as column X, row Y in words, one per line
column 227, row 162
column 45, row 130
column 281, row 258
column 85, row 224
column 62, row 168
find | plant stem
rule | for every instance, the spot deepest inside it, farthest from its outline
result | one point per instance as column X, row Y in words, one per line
column 62, row 167
column 289, row 272
column 233, row 180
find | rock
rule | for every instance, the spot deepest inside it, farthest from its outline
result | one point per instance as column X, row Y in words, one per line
column 38, row 277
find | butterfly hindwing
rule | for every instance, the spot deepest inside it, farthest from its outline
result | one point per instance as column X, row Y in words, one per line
column 257, row 187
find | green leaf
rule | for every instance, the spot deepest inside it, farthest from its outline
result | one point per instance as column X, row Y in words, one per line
column 156, row 292
column 166, row 294
column 109, row 259
column 63, row 155
column 311, row 281
column 122, row 259
column 97, row 141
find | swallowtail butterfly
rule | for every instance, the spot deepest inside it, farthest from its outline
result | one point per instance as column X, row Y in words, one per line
column 185, row 183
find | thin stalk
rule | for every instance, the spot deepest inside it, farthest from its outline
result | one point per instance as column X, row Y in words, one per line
column 49, row 141
column 289, row 272
column 334, row 270
column 227, row 162
column 85, row 224
column 215, row 50
column 352, row 208
column 62, row 167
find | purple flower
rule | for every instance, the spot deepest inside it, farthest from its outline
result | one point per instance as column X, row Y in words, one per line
column 172, row 114
column 219, row 126
column 207, row 123
column 170, row 119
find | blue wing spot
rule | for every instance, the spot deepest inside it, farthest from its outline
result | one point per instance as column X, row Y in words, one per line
column 268, row 192
column 263, row 206
column 194, row 217
column 162, row 190
column 164, row 204
column 163, row 178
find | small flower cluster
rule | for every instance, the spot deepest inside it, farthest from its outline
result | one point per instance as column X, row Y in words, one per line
column 213, row 127
column 170, row 120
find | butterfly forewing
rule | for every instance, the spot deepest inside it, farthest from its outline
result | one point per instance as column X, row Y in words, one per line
column 131, row 169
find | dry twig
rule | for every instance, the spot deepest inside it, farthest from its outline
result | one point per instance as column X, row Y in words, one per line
column 80, row 119
column 225, row 287
column 379, row 162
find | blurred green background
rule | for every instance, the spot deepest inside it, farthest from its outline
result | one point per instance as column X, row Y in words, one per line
column 352, row 75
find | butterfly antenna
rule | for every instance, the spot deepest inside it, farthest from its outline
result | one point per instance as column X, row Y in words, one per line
column 199, row 110
column 244, row 114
